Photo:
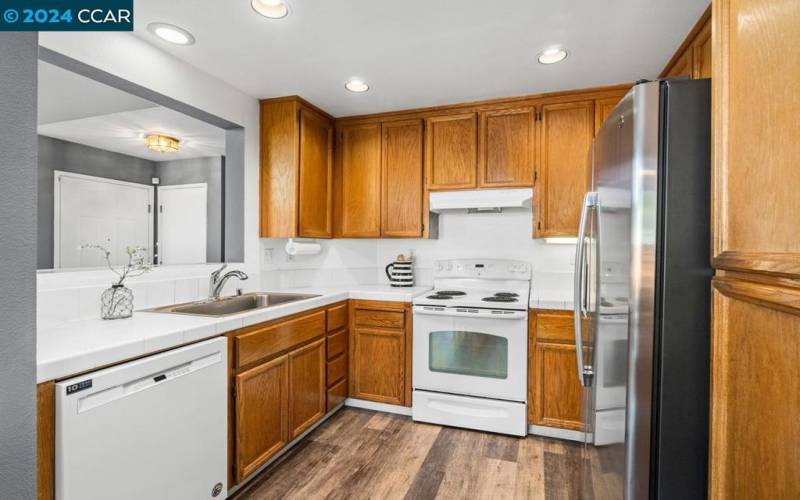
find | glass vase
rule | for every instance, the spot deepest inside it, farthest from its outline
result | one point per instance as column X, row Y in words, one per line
column 116, row 302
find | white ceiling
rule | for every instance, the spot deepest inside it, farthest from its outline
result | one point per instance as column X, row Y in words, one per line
column 417, row 53
column 124, row 133
column 78, row 109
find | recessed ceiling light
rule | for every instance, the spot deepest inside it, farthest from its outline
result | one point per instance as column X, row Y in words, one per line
column 552, row 56
column 273, row 9
column 356, row 85
column 171, row 33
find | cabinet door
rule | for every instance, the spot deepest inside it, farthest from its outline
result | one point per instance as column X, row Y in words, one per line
column 565, row 137
column 306, row 386
column 378, row 365
column 701, row 53
column 556, row 391
column 316, row 176
column 401, row 211
column 361, row 181
column 683, row 66
column 507, row 148
column 262, row 398
column 603, row 108
column 451, row 151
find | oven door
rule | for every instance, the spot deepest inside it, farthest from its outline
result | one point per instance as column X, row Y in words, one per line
column 475, row 352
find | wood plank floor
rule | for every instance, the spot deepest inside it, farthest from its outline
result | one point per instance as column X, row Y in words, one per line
column 361, row 454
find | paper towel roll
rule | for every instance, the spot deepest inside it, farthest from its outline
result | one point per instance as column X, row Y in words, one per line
column 298, row 248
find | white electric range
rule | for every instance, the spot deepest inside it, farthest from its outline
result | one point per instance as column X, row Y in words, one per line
column 471, row 346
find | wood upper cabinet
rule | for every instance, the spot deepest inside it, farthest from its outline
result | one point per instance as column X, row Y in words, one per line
column 296, row 170
column 451, row 151
column 402, row 179
column 682, row 65
column 262, row 423
column 693, row 57
column 554, row 392
column 380, row 352
column 316, row 176
column 602, row 110
column 563, row 177
column 507, row 138
column 701, row 52
column 306, row 386
column 360, row 190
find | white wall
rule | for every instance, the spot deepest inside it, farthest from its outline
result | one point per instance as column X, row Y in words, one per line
column 131, row 58
column 461, row 235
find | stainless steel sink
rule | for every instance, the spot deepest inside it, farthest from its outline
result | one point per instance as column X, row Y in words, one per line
column 233, row 305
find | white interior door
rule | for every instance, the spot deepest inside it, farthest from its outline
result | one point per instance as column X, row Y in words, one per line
column 182, row 224
column 97, row 210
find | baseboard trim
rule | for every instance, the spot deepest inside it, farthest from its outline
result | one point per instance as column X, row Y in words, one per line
column 553, row 432
column 244, row 482
column 384, row 407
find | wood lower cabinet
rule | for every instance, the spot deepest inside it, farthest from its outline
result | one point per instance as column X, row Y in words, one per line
column 359, row 192
column 262, row 416
column 563, row 175
column 554, row 393
column 296, row 179
column 279, row 389
column 337, row 355
column 507, row 148
column 45, row 440
column 306, row 386
column 380, row 352
column 451, row 151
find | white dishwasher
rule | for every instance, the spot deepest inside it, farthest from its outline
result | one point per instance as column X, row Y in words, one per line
column 154, row 428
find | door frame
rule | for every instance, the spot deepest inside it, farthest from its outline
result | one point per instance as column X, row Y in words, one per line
column 57, row 174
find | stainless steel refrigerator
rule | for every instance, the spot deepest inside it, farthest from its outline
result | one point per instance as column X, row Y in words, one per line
column 642, row 297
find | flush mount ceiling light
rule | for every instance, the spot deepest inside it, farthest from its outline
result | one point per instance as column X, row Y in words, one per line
column 272, row 9
column 552, row 56
column 171, row 33
column 356, row 85
column 162, row 143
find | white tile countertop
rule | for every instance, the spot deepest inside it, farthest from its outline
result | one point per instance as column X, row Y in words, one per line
column 77, row 346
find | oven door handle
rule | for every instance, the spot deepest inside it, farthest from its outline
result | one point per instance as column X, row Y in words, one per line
column 589, row 202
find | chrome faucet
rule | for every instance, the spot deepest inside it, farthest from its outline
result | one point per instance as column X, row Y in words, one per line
column 217, row 282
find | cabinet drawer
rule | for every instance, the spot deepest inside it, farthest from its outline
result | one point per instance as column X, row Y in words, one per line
column 337, row 344
column 337, row 317
column 260, row 342
column 337, row 394
column 381, row 319
column 337, row 369
column 555, row 326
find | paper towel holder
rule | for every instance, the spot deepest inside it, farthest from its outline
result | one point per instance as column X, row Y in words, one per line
column 294, row 248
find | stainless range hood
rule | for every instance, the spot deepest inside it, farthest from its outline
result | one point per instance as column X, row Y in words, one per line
column 481, row 200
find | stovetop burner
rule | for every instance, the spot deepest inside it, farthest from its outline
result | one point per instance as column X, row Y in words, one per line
column 506, row 294
column 452, row 293
column 496, row 298
column 440, row 297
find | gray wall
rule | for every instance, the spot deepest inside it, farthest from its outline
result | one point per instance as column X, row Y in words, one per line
column 195, row 170
column 55, row 154
column 234, row 195
column 18, row 264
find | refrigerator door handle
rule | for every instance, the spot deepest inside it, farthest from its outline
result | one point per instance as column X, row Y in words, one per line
column 589, row 201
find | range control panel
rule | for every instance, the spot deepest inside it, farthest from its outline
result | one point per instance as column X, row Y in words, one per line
column 482, row 268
